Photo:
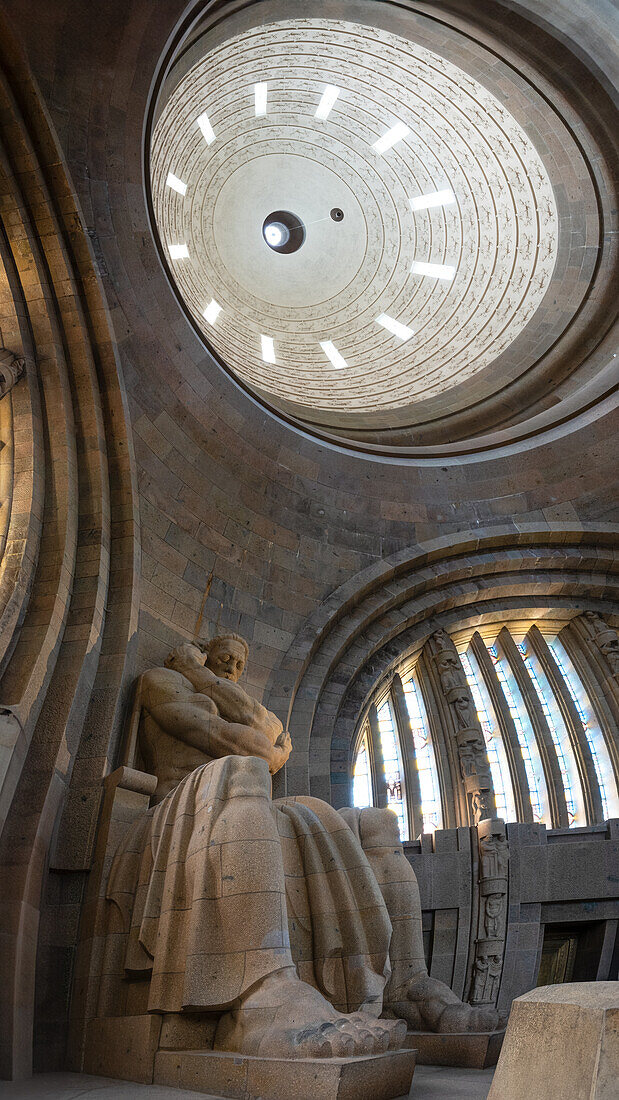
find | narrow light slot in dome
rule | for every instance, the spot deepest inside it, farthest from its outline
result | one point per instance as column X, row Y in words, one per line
column 260, row 99
column 333, row 355
column 396, row 133
column 327, row 101
column 436, row 271
column 396, row 327
column 212, row 311
column 179, row 252
column 207, row 130
column 268, row 349
column 176, row 184
column 433, row 198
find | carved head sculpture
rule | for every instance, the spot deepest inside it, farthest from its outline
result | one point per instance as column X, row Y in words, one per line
column 226, row 656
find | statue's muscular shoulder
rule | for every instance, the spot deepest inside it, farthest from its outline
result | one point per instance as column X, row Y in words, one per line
column 164, row 685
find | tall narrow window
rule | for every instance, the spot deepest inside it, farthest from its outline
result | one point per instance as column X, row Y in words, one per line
column 394, row 773
column 559, row 735
column 495, row 748
column 362, row 780
column 595, row 738
column 526, row 739
column 431, row 812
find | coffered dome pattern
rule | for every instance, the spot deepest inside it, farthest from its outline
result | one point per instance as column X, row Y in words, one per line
column 462, row 189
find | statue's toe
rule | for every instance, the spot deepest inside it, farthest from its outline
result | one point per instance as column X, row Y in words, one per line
column 396, row 1030
column 381, row 1040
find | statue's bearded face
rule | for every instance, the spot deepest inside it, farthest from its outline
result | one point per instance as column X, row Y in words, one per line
column 227, row 659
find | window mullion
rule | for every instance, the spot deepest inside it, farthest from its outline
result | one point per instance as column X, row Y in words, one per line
column 537, row 718
column 379, row 778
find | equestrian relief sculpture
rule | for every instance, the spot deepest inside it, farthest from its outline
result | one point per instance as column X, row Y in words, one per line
column 297, row 925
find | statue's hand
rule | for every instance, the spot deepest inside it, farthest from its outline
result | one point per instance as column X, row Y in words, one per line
column 281, row 752
column 186, row 658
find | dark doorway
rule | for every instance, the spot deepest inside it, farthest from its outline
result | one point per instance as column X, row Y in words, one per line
column 571, row 953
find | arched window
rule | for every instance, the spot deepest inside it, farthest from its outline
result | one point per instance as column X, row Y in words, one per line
column 591, row 729
column 547, row 745
column 537, row 792
column 362, row 779
column 425, row 762
column 392, row 764
column 560, row 737
column 503, row 791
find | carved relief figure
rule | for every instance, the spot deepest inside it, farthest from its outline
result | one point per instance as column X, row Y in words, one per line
column 472, row 755
column 494, row 854
column 605, row 639
column 464, row 707
column 11, row 370
column 480, row 974
column 492, row 914
column 234, row 904
column 482, row 803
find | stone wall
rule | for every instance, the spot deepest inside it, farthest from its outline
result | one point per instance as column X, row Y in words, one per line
column 557, row 877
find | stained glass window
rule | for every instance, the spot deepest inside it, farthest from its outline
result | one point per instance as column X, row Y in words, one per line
column 560, row 737
column 495, row 748
column 526, row 739
column 362, row 780
column 431, row 812
column 599, row 751
column 394, row 773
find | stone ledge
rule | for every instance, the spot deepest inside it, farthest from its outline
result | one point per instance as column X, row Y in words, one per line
column 470, row 1050
column 243, row 1077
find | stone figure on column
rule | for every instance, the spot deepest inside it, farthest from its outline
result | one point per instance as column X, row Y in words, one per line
column 493, row 852
column 605, row 638
column 461, row 717
column 299, row 925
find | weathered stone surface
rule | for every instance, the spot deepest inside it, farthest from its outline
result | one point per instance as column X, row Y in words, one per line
column 467, row 1049
column 561, row 1041
column 379, row 1077
column 123, row 1046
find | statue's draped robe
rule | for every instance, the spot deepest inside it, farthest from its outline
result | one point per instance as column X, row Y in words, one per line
column 191, row 905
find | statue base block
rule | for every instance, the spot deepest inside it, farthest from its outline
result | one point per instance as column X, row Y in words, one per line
column 243, row 1077
column 470, row 1050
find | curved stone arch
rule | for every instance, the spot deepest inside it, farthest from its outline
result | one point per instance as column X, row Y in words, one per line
column 69, row 624
column 414, row 584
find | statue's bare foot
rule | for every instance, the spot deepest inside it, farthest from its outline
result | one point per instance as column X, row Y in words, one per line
column 429, row 1005
column 283, row 1017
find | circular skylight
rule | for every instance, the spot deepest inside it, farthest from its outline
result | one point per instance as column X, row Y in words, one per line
column 353, row 222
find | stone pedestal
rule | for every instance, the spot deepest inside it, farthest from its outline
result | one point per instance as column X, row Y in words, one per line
column 561, row 1041
column 239, row 1076
column 474, row 1050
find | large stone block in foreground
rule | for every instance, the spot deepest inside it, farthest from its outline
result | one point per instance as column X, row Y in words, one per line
column 244, row 1077
column 561, row 1041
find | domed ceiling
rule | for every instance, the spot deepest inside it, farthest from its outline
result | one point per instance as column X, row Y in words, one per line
column 359, row 228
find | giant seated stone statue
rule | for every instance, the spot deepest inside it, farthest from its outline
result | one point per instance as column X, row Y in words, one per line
column 297, row 926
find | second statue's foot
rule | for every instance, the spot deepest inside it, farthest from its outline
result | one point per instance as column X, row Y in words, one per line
column 429, row 1005
column 283, row 1017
